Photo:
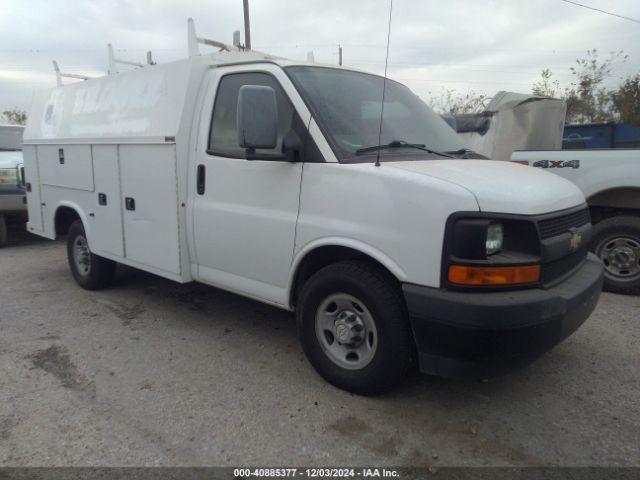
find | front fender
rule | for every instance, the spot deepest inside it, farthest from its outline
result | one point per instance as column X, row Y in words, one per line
column 351, row 243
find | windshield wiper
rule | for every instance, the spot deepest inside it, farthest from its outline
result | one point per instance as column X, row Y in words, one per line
column 463, row 152
column 401, row 144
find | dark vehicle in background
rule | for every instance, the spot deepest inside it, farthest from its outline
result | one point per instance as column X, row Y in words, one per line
column 600, row 135
column 13, row 199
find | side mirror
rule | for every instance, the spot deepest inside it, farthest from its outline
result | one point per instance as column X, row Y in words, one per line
column 451, row 121
column 257, row 119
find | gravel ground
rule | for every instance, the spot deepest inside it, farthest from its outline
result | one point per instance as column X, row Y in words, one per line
column 150, row 372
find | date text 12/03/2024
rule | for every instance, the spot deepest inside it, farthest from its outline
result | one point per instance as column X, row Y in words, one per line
column 315, row 472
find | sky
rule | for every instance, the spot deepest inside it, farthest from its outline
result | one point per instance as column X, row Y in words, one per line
column 480, row 46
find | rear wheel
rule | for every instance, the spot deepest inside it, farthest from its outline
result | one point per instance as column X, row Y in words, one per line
column 616, row 241
column 354, row 328
column 90, row 271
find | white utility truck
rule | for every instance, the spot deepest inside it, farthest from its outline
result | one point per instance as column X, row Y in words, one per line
column 260, row 176
column 610, row 180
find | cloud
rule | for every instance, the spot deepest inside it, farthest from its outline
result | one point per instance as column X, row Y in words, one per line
column 485, row 46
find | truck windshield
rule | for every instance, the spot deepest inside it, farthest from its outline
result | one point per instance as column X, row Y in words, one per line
column 347, row 105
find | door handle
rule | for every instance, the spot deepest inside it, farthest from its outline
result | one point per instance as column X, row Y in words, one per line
column 129, row 203
column 201, row 179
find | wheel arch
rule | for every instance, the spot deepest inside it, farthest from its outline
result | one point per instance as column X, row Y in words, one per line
column 320, row 253
column 615, row 201
column 65, row 214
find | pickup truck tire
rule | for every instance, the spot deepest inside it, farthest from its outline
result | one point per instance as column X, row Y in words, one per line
column 353, row 327
column 3, row 231
column 616, row 241
column 90, row 271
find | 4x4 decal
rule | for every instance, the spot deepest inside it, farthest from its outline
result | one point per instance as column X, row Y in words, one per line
column 557, row 164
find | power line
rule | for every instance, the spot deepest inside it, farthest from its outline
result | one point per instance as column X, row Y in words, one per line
column 601, row 11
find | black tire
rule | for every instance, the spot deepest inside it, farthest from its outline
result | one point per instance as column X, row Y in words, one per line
column 626, row 231
column 380, row 295
column 3, row 231
column 100, row 271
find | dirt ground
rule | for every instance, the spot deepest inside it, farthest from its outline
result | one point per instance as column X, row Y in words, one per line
column 150, row 372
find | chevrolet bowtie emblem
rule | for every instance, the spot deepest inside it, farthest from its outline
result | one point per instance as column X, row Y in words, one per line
column 576, row 239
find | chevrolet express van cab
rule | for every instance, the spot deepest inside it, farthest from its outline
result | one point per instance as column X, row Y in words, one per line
column 260, row 176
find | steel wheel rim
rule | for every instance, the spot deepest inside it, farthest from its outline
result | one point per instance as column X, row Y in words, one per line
column 81, row 255
column 621, row 257
column 346, row 331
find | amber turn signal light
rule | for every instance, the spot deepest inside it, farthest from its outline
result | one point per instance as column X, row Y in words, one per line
column 461, row 275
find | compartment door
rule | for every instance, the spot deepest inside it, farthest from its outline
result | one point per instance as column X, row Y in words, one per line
column 66, row 166
column 106, row 224
column 150, row 205
column 32, row 179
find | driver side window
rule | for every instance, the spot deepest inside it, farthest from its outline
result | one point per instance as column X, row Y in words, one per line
column 223, row 137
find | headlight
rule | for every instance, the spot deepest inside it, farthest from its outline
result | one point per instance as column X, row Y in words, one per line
column 495, row 237
column 490, row 250
column 476, row 238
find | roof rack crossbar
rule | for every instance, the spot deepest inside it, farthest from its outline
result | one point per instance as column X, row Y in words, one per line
column 60, row 75
column 193, row 40
column 113, row 61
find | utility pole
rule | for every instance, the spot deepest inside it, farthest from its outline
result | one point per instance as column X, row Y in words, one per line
column 247, row 28
column 340, row 55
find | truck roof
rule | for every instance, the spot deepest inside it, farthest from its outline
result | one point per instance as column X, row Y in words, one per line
column 146, row 105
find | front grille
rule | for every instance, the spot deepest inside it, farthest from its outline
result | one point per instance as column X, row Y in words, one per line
column 551, row 227
column 555, row 271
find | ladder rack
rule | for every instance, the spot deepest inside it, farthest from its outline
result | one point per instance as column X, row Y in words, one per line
column 113, row 61
column 60, row 75
column 193, row 40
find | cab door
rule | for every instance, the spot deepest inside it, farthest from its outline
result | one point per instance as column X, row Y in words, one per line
column 245, row 211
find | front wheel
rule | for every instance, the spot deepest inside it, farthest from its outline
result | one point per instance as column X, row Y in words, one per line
column 353, row 327
column 616, row 241
column 89, row 270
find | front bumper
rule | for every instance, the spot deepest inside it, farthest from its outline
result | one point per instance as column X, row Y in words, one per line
column 12, row 202
column 485, row 334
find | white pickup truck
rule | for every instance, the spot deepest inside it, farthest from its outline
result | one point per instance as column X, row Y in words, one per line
column 610, row 180
column 261, row 176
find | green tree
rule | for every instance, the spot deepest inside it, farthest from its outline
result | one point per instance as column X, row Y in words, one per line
column 626, row 100
column 588, row 98
column 546, row 86
column 452, row 102
column 15, row 116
